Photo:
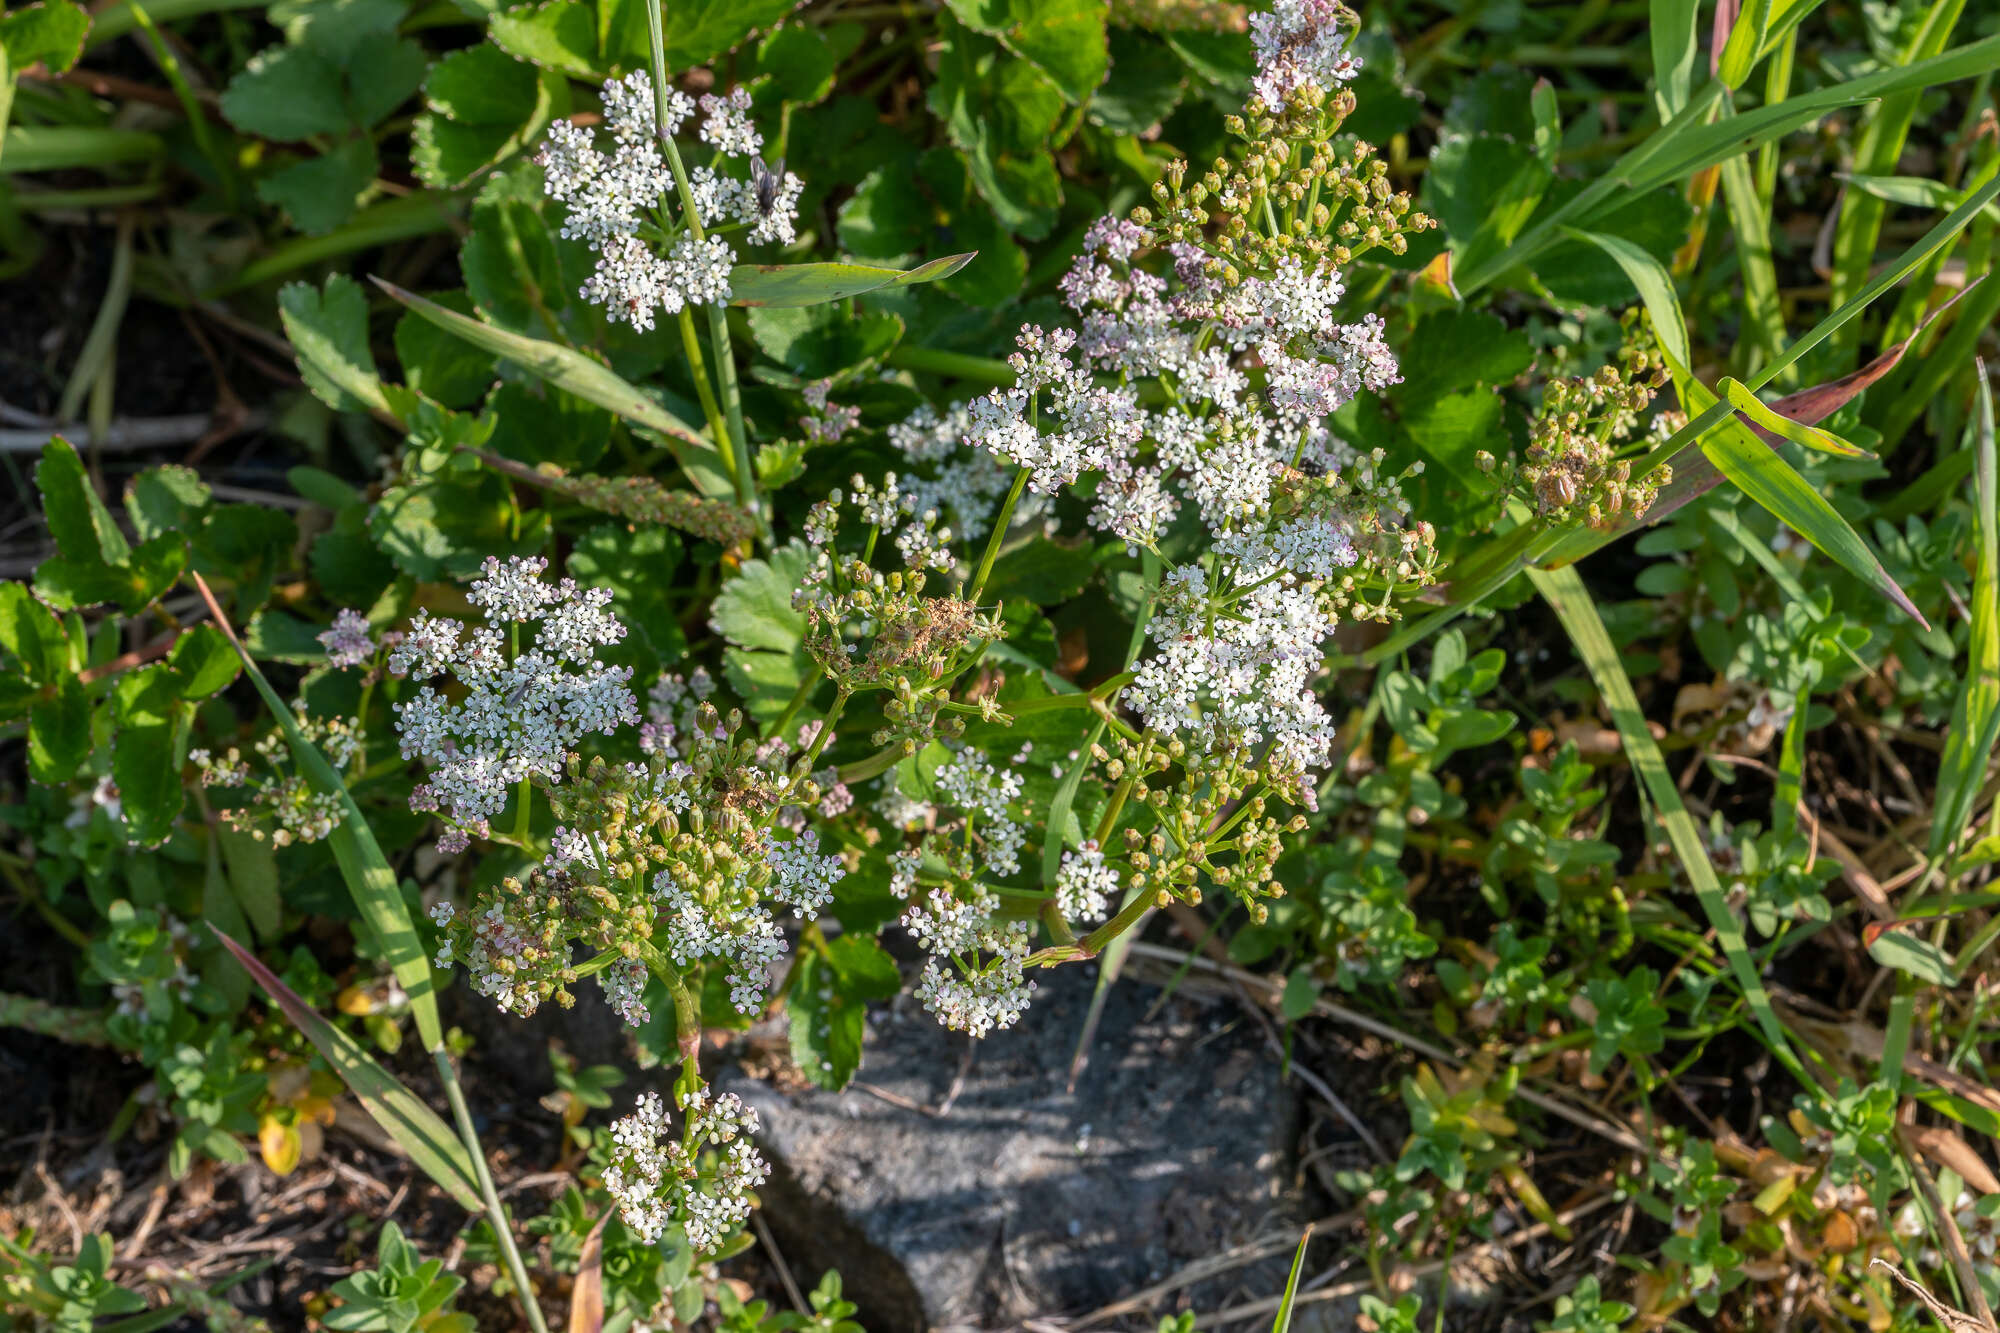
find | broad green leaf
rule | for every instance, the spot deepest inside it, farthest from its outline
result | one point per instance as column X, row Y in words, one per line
column 49, row 34
column 1655, row 287
column 569, row 369
column 816, row 284
column 167, row 498
column 754, row 609
column 1774, row 423
column 288, row 93
column 800, row 63
column 149, row 749
column 417, row 1129
column 252, row 871
column 1975, row 715
column 1043, row 571
column 1065, row 39
column 59, row 733
column 203, row 663
column 438, row 363
column 32, row 634
column 1145, row 83
column 318, row 193
column 828, row 1005
column 1002, row 112
column 329, row 335
column 1571, row 601
column 560, row 35
column 485, row 106
column 83, row 528
column 370, row 881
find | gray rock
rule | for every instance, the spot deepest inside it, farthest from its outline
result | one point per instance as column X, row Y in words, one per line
column 1026, row 1199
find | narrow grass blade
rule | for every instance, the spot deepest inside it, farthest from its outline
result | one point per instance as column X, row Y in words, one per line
column 1688, row 144
column 1749, row 220
column 1884, row 131
column 1975, row 718
column 1773, row 483
column 391, row 220
column 1769, row 423
column 58, row 147
column 1655, row 287
column 417, row 1129
column 1566, row 595
column 572, row 371
column 1673, row 28
column 1284, row 1320
column 816, row 284
column 366, row 871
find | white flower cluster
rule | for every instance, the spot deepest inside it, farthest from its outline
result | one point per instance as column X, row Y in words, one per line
column 1300, row 44
column 1085, row 884
column 973, row 978
column 517, row 713
column 964, row 486
column 649, row 260
column 1239, row 632
column 657, row 1183
column 282, row 805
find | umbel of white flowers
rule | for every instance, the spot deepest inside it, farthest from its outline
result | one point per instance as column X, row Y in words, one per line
column 624, row 203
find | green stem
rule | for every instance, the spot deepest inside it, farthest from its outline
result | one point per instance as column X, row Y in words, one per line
column 496, row 1215
column 1093, row 944
column 804, row 692
column 735, row 444
column 1001, row 522
column 957, row 365
column 82, row 1027
column 718, row 424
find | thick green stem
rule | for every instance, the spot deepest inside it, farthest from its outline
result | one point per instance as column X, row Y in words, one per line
column 1093, row 944
column 81, row 1027
column 496, row 1215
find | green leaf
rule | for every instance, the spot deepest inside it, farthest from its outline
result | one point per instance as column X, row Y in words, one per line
column 1003, row 113
column 767, row 659
column 369, row 880
column 252, row 865
column 485, row 106
column 1672, row 27
column 569, row 369
column 382, row 73
column 1798, row 432
column 800, row 63
column 318, row 194
column 1065, row 39
column 149, row 750
column 828, row 1003
column 561, row 35
column 1763, row 475
column 440, row 365
column 1145, row 83
column 792, row 285
column 31, row 632
column 279, row 636
column 1565, row 593
column 697, row 31
column 83, row 528
column 417, row 1129
column 1044, row 572
column 164, row 499
column 1975, row 714
column 49, row 34
column 203, row 663
column 59, row 733
column 1912, row 954
column 288, row 93
column 1653, row 283
column 329, row 335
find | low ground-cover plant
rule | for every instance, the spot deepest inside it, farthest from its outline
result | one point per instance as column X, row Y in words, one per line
column 906, row 652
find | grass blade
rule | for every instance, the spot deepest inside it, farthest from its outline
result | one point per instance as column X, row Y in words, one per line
column 571, row 370
column 1759, row 414
column 1284, row 1320
column 1975, row 718
column 1884, row 131
column 1655, row 286
column 365, row 870
column 1673, row 31
column 1688, row 144
column 1566, row 595
column 418, row 1130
